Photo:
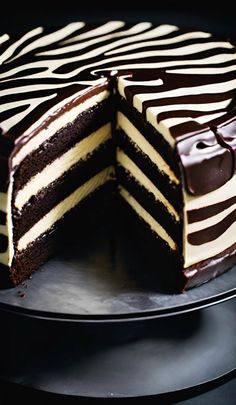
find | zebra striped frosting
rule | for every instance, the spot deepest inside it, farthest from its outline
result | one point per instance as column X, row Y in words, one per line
column 183, row 82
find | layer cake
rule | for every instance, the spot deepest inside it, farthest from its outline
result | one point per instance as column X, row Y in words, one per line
column 146, row 110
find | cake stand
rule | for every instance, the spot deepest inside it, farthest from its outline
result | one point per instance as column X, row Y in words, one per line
column 91, row 323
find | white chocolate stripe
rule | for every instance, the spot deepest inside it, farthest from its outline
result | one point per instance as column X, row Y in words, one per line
column 192, row 107
column 206, row 223
column 101, row 30
column 63, row 207
column 214, row 60
column 142, row 179
column 122, row 84
column 3, row 202
column 166, row 41
column 183, row 50
column 94, row 41
column 221, row 87
column 56, row 125
column 12, row 48
column 4, row 38
column 56, row 169
column 154, row 225
column 197, row 253
column 50, row 38
column 31, row 88
column 144, row 146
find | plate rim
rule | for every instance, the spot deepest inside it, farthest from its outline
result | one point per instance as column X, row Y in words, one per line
column 121, row 317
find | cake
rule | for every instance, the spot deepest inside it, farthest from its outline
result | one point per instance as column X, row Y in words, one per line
column 146, row 110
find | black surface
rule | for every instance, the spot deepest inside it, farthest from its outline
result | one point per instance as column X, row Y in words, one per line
column 104, row 276
column 157, row 358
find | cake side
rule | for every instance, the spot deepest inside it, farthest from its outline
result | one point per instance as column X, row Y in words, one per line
column 188, row 104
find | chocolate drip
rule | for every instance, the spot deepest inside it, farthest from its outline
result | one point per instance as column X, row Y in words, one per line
column 207, row 165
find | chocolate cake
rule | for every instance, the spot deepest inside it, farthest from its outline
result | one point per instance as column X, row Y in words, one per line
column 147, row 109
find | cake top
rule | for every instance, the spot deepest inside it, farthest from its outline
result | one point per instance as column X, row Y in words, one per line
column 182, row 81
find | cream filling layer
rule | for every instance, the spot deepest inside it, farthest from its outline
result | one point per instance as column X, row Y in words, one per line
column 196, row 253
column 154, row 225
column 142, row 179
column 138, row 139
column 59, row 123
column 63, row 207
column 3, row 202
column 61, row 165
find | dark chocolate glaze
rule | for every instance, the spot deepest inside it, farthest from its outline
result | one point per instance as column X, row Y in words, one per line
column 207, row 165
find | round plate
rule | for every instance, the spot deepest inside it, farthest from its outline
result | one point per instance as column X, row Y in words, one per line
column 170, row 355
column 104, row 277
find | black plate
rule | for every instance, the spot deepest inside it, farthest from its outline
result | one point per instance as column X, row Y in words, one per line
column 103, row 276
column 167, row 355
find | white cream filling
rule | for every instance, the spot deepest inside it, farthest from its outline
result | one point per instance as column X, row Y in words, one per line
column 59, row 123
column 61, row 165
column 196, row 253
column 139, row 140
column 142, row 179
column 3, row 202
column 154, row 225
column 44, row 224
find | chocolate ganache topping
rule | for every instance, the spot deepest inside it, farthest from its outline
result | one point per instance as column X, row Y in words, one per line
column 182, row 81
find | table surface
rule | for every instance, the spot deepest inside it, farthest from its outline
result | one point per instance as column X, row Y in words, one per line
column 206, row 15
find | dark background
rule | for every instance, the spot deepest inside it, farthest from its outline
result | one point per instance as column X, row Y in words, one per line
column 215, row 16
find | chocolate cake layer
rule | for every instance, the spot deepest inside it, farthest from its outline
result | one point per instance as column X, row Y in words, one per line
column 48, row 197
column 170, row 190
column 154, row 207
column 151, row 134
